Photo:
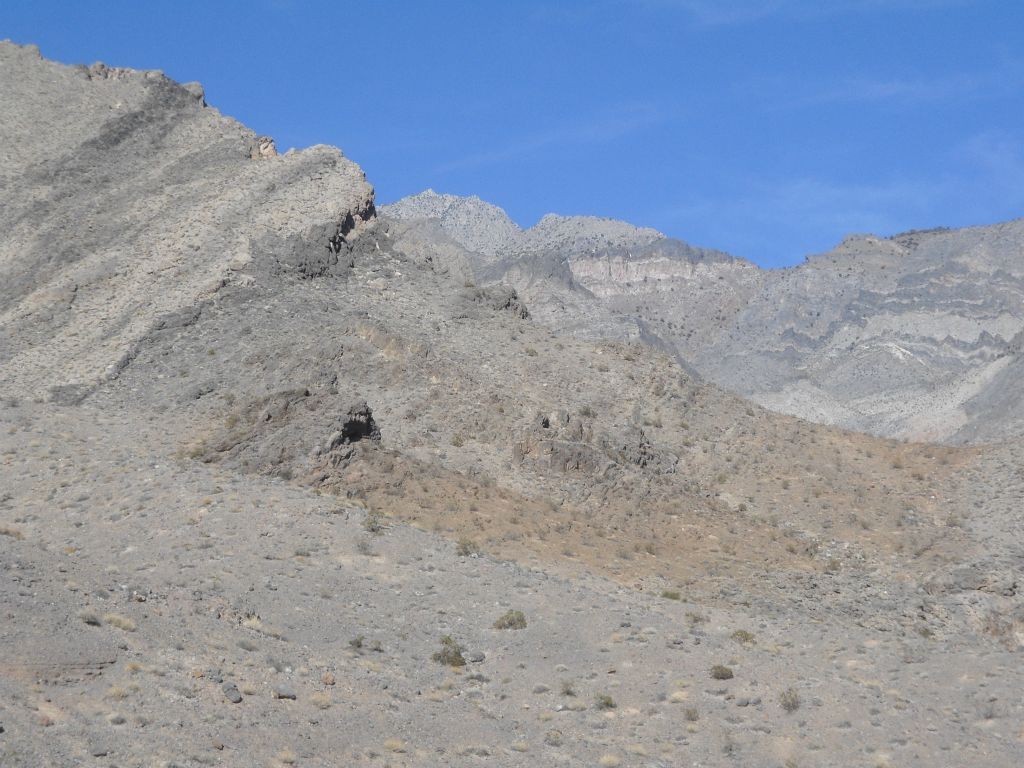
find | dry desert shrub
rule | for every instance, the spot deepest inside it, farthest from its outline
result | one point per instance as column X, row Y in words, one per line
column 450, row 654
column 721, row 672
column 790, row 700
column 743, row 636
column 511, row 620
column 373, row 522
column 119, row 621
column 466, row 547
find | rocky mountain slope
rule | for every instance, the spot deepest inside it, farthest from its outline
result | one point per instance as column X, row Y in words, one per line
column 917, row 336
column 330, row 497
column 126, row 201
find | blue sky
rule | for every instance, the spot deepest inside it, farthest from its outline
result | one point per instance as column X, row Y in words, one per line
column 766, row 128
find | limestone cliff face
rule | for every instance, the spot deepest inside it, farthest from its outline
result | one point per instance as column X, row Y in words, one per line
column 899, row 336
column 126, row 202
column 623, row 275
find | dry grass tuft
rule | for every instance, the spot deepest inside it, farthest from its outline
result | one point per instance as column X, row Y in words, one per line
column 511, row 620
column 120, row 622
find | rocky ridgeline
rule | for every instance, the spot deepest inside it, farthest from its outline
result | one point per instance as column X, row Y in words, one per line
column 909, row 336
column 488, row 231
column 127, row 202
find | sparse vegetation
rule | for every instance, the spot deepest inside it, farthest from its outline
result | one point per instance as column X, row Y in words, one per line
column 790, row 700
column 743, row 636
column 373, row 522
column 450, row 654
column 511, row 620
column 120, row 622
column 721, row 672
column 116, row 693
column 671, row 594
column 604, row 701
column 466, row 547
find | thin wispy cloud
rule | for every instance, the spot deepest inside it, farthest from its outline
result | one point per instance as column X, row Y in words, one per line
column 1006, row 79
column 600, row 129
column 727, row 12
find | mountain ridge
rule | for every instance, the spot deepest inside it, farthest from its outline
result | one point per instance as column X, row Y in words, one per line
column 776, row 335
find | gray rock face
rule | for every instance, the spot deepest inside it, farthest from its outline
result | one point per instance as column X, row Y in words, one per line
column 487, row 231
column 910, row 336
column 918, row 335
column 500, row 297
column 481, row 227
column 124, row 200
column 359, row 425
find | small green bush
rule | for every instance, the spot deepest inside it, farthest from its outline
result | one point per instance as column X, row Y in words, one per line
column 604, row 701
